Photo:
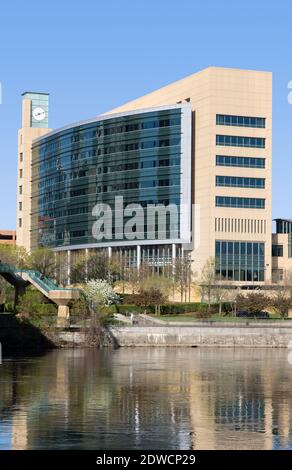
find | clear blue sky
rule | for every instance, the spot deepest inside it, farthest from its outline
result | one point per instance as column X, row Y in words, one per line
column 94, row 55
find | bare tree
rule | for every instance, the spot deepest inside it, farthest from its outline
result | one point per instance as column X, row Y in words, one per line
column 282, row 298
column 43, row 260
column 208, row 280
column 221, row 295
column 253, row 302
column 182, row 276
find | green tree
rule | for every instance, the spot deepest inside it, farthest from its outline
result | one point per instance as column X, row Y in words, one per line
column 98, row 266
column 43, row 260
column 14, row 255
column 7, row 294
column 30, row 301
column 148, row 297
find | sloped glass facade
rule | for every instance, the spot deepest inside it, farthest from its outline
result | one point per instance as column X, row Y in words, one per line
column 137, row 156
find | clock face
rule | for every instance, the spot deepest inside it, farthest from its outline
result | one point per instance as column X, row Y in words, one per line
column 39, row 114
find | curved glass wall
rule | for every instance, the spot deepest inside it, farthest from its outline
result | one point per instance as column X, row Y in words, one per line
column 137, row 156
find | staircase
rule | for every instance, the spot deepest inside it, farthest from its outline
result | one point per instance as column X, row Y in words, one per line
column 21, row 278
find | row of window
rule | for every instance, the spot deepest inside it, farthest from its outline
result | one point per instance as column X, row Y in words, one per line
column 146, row 144
column 244, row 162
column 63, row 176
column 139, row 165
column 109, row 149
column 86, row 209
column 138, row 185
column 240, row 182
column 238, row 141
column 240, row 202
column 283, row 226
column 139, row 126
column 240, row 261
column 53, row 214
column 240, row 121
column 101, row 129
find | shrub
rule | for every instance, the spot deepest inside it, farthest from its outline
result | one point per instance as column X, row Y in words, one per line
column 33, row 302
column 253, row 301
column 171, row 309
column 42, row 320
column 79, row 309
column 127, row 309
column 148, row 298
column 100, row 293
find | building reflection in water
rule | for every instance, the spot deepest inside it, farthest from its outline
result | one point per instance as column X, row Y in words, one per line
column 158, row 398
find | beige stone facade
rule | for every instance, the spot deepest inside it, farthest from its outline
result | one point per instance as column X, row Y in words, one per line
column 212, row 91
column 24, row 187
column 282, row 264
column 215, row 90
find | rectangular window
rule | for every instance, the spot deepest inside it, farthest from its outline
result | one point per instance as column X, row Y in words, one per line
column 20, row 173
column 20, row 189
column 240, row 121
column 240, row 182
column 240, row 202
column 21, row 157
column 243, row 162
column 283, row 226
column 238, row 141
column 277, row 250
column 240, row 261
column 20, row 206
column 19, row 223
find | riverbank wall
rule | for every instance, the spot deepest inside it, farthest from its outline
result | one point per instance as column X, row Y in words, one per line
column 268, row 336
column 18, row 338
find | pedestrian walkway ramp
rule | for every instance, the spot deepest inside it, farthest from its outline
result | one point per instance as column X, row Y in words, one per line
column 21, row 278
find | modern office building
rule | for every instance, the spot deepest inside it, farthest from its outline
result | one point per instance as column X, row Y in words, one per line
column 202, row 144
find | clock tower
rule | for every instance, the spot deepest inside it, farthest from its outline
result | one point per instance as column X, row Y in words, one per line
column 35, row 113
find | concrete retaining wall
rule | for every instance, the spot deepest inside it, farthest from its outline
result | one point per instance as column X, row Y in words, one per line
column 192, row 336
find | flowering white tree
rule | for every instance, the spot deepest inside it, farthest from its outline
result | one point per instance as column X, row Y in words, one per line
column 100, row 292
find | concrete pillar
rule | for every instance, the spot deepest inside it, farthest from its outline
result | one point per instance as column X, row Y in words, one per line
column 86, row 264
column 173, row 255
column 63, row 315
column 55, row 260
column 138, row 256
column 173, row 246
column 109, row 253
column 68, row 267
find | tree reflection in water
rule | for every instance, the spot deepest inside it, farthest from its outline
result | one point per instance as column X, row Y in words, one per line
column 156, row 398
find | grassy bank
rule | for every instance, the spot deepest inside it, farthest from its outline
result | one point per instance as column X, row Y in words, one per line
column 215, row 318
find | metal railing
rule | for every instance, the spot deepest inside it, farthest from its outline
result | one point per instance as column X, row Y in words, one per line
column 44, row 282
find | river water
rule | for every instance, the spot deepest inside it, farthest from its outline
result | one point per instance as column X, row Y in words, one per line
column 147, row 398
